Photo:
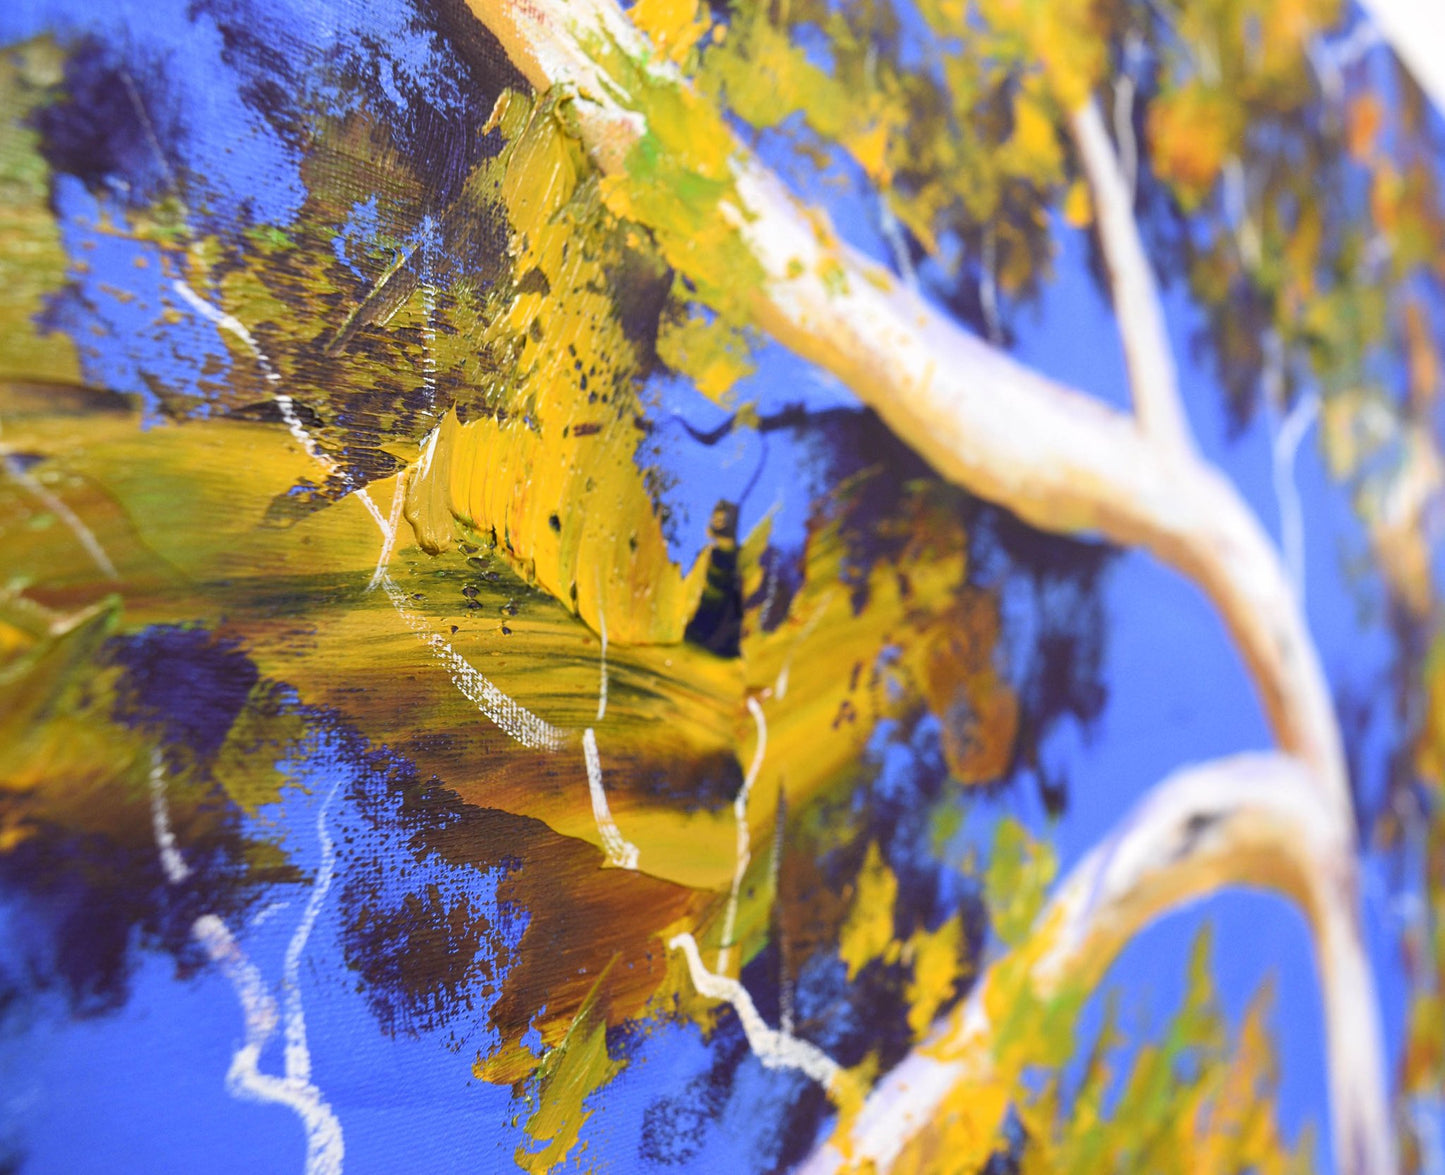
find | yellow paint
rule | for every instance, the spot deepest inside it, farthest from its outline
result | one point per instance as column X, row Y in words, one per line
column 709, row 350
column 868, row 932
column 964, row 1132
column 1062, row 36
column 549, row 480
column 673, row 26
column 264, row 736
column 1034, row 142
column 1430, row 746
column 870, row 148
column 1193, row 1101
column 692, row 848
column 1079, row 205
column 765, row 79
column 935, row 956
column 1020, row 871
column 184, row 510
column 1192, row 131
column 575, row 1068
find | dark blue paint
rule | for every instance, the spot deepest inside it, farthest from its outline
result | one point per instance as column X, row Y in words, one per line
column 143, row 1088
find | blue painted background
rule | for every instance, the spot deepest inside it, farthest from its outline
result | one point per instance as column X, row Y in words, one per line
column 142, row 1088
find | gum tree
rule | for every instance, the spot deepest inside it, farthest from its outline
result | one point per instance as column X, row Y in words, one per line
column 648, row 109
column 402, row 506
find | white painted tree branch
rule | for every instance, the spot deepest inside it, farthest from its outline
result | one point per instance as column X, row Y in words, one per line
column 1055, row 457
column 744, row 840
column 776, row 1049
column 325, row 1144
column 1415, row 30
column 1066, row 464
column 1147, row 353
column 1249, row 820
column 12, row 465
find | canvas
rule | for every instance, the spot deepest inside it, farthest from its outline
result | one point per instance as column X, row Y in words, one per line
column 760, row 585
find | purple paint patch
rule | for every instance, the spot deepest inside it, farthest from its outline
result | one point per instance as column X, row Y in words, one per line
column 186, row 682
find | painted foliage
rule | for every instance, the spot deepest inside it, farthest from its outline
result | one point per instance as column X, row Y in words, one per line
column 825, row 585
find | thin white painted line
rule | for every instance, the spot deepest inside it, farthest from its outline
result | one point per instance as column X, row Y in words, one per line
column 511, row 718
column 173, row 865
column 620, row 851
column 776, row 1050
column 298, row 1054
column 744, row 854
column 388, row 527
column 515, row 720
column 232, row 324
column 325, row 1146
column 780, row 687
column 56, row 506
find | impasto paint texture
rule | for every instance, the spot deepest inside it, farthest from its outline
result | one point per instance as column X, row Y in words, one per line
column 760, row 585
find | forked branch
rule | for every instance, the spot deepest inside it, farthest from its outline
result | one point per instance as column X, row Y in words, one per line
column 1058, row 459
column 1065, row 464
column 1152, row 377
column 1249, row 820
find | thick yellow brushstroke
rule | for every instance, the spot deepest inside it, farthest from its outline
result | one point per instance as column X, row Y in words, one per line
column 551, row 478
column 674, row 26
column 569, row 1073
column 868, row 930
column 935, row 957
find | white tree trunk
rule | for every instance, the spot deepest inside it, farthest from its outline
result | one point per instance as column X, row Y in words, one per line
column 1055, row 457
column 1150, row 359
column 1249, row 820
column 1065, row 464
column 1415, row 30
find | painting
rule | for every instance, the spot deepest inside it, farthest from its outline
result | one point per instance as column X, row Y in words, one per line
column 722, row 586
